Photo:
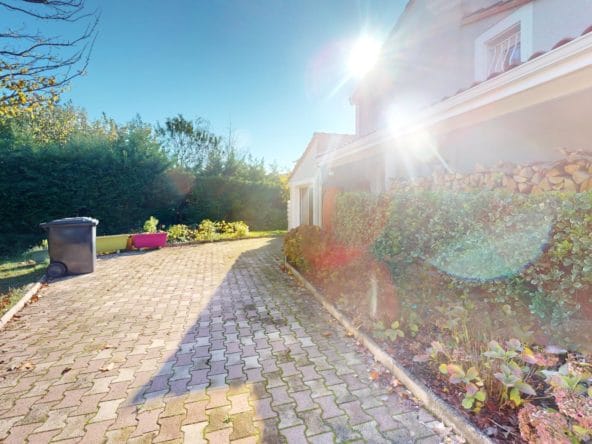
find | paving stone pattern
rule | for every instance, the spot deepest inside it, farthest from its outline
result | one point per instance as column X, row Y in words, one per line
column 205, row 343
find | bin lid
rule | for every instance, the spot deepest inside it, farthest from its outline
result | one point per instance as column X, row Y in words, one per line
column 71, row 221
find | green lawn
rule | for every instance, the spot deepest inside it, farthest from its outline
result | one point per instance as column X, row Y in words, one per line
column 271, row 233
column 15, row 276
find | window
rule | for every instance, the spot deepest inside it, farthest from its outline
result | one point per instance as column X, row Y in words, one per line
column 504, row 51
column 507, row 43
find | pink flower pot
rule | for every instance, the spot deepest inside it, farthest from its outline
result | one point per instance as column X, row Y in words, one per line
column 149, row 240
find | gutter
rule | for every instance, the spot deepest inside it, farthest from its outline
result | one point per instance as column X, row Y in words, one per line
column 562, row 61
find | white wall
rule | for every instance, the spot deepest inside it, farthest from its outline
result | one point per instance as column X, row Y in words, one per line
column 557, row 19
column 431, row 55
column 306, row 175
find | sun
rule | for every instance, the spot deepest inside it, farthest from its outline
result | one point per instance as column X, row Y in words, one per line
column 363, row 56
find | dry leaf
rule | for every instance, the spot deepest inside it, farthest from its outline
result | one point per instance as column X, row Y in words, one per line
column 106, row 346
column 373, row 375
column 395, row 382
column 66, row 370
column 326, row 333
column 349, row 334
column 107, row 368
column 28, row 365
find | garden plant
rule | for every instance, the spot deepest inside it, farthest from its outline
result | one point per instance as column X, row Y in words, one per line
column 419, row 270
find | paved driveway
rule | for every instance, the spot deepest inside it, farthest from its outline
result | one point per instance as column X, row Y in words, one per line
column 208, row 342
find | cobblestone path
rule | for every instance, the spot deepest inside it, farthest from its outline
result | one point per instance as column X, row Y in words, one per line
column 205, row 343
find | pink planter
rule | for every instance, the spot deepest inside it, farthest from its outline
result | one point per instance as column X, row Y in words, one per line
column 149, row 240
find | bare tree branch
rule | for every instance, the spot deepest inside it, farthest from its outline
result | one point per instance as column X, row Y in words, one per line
column 34, row 68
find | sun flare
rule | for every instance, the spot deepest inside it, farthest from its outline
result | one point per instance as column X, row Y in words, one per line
column 363, row 56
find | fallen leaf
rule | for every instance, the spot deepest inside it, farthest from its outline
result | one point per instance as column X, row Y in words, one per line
column 28, row 365
column 106, row 346
column 349, row 334
column 107, row 368
column 66, row 370
column 373, row 375
column 395, row 382
column 326, row 333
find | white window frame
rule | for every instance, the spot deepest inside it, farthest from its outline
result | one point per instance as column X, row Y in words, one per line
column 523, row 17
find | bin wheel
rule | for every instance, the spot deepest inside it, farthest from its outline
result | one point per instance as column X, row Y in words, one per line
column 56, row 270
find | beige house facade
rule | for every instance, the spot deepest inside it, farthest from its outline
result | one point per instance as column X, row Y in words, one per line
column 461, row 84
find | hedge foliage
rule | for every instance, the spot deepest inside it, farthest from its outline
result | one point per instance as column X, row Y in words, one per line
column 118, row 181
column 532, row 251
column 359, row 218
column 119, row 174
column 261, row 205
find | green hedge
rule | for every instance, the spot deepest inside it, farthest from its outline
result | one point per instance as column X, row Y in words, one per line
column 359, row 218
column 260, row 205
column 118, row 181
column 514, row 250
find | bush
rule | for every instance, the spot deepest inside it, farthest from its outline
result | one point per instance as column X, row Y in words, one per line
column 208, row 230
column 262, row 206
column 180, row 233
column 360, row 218
column 522, row 250
column 151, row 225
column 236, row 229
column 304, row 245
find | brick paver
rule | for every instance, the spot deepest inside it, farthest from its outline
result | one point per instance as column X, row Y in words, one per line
column 206, row 343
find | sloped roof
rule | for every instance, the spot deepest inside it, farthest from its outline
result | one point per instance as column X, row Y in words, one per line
column 323, row 142
column 559, row 44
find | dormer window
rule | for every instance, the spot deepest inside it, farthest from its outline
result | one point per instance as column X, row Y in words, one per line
column 504, row 51
column 505, row 44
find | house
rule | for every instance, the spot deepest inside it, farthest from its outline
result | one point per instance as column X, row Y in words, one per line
column 460, row 83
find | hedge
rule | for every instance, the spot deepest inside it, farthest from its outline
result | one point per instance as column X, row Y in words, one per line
column 532, row 251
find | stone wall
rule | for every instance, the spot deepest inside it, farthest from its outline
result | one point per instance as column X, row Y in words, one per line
column 571, row 174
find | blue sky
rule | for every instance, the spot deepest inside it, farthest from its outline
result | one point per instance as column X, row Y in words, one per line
column 271, row 68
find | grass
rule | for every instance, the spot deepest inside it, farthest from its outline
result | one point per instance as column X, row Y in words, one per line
column 270, row 233
column 16, row 274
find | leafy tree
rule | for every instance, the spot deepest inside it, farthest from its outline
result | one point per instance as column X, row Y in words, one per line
column 35, row 68
column 47, row 124
column 189, row 144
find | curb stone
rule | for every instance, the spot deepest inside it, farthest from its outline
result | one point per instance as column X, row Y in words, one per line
column 32, row 291
column 429, row 399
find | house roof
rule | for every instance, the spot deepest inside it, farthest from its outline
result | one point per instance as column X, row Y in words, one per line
column 496, row 8
column 568, row 55
column 323, row 142
column 559, row 44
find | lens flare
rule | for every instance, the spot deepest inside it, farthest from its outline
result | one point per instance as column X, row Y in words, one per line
column 363, row 56
column 498, row 251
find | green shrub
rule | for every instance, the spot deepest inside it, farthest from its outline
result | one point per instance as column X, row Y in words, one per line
column 208, row 230
column 304, row 244
column 233, row 229
column 151, row 225
column 180, row 233
column 360, row 218
column 262, row 206
column 529, row 251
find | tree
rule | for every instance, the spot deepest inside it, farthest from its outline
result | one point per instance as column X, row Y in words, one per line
column 35, row 68
column 189, row 144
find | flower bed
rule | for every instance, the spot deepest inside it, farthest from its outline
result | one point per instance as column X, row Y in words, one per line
column 485, row 296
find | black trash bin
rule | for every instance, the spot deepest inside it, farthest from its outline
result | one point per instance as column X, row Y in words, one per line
column 72, row 245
